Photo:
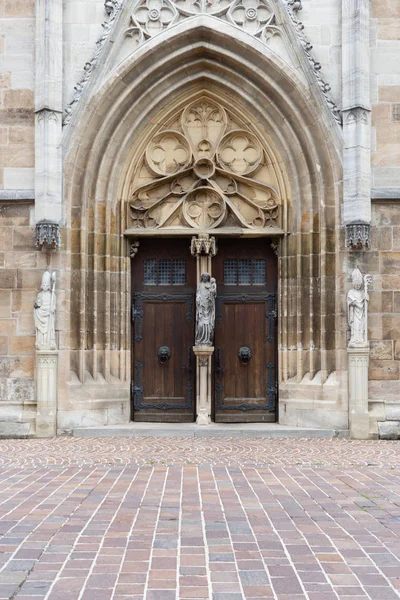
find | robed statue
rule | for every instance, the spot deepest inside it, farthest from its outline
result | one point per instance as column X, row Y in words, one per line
column 357, row 306
column 205, row 310
column 44, row 313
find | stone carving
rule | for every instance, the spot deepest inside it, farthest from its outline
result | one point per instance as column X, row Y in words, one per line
column 293, row 7
column 44, row 313
column 206, row 173
column 112, row 8
column 203, row 245
column 134, row 249
column 357, row 305
column 358, row 235
column 205, row 310
column 47, row 233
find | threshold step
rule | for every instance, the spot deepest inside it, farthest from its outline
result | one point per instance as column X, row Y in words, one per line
column 265, row 430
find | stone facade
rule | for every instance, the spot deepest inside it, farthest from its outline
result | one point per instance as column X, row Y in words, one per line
column 124, row 71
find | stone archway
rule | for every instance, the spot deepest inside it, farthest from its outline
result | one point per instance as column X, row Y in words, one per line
column 102, row 155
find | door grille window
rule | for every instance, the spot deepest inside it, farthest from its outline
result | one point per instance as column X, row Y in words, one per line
column 244, row 271
column 164, row 271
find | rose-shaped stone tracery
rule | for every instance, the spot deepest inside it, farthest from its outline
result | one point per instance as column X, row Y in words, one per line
column 205, row 176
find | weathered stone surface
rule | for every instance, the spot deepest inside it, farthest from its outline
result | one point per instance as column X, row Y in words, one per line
column 392, row 411
column 20, row 390
column 389, row 430
column 383, row 369
column 382, row 350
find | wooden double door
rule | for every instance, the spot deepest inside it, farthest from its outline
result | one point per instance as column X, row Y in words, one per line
column 244, row 366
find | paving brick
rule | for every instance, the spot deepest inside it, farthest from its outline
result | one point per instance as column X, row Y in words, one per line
column 104, row 525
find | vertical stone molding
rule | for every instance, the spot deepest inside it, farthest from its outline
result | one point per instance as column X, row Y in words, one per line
column 46, row 393
column 203, row 404
column 356, row 122
column 48, row 115
column 358, row 360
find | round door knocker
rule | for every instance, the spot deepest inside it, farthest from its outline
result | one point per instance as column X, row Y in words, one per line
column 244, row 354
column 164, row 354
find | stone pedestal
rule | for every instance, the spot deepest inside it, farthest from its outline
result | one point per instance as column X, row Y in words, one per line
column 46, row 393
column 203, row 399
column 358, row 359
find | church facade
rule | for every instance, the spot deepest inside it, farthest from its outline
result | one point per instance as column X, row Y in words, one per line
column 145, row 143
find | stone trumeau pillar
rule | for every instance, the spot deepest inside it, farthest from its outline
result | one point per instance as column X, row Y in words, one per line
column 356, row 122
column 48, row 122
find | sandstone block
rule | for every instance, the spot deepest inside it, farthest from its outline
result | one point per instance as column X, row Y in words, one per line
column 389, row 430
column 382, row 350
column 391, row 327
column 21, row 260
column 383, row 369
column 392, row 411
column 14, row 429
column 20, row 390
column 3, row 344
column 384, row 390
column 23, row 300
column 23, row 238
column 18, row 99
column 390, row 262
column 22, row 344
column 5, row 303
column 8, row 278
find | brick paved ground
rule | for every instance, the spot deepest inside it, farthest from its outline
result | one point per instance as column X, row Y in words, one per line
column 224, row 519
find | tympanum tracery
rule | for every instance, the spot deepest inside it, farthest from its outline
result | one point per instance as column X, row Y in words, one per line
column 203, row 171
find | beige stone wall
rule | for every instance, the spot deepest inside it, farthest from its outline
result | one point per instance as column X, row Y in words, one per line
column 19, row 280
column 383, row 262
column 385, row 91
column 17, row 31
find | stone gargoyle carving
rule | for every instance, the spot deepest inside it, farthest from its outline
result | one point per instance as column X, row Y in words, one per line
column 357, row 306
column 44, row 313
column 205, row 310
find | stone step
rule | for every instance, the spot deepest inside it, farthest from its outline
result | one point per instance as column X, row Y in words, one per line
column 269, row 430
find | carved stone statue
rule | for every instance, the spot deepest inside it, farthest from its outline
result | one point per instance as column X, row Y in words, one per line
column 44, row 313
column 205, row 310
column 357, row 305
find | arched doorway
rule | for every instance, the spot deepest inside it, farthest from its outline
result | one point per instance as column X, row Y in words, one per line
column 102, row 156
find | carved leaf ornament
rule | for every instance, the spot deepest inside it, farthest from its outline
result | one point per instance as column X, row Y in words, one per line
column 203, row 175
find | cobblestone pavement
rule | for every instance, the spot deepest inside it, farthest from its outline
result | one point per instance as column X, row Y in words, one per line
column 223, row 519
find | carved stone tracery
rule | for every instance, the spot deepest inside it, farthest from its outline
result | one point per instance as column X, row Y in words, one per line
column 206, row 171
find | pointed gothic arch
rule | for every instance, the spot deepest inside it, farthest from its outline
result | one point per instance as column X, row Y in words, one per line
column 102, row 146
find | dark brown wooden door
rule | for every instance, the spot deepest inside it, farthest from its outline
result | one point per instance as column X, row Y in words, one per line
column 245, row 360
column 163, row 317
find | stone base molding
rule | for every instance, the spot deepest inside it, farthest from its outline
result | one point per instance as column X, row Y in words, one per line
column 46, row 393
column 203, row 408
column 358, row 360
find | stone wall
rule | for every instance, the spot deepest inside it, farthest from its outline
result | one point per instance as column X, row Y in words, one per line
column 383, row 262
column 385, row 93
column 19, row 281
column 17, row 31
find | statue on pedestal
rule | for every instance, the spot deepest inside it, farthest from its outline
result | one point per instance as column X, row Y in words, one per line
column 205, row 310
column 44, row 313
column 357, row 305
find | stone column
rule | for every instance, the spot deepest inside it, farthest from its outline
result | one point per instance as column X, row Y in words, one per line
column 356, row 122
column 203, row 399
column 358, row 360
column 203, row 247
column 48, row 122
column 46, row 393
